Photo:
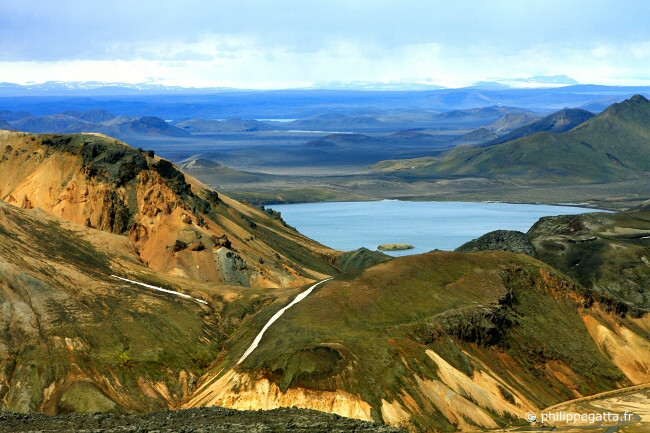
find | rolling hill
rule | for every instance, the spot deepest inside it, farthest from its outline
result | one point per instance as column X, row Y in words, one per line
column 148, row 126
column 96, row 115
column 95, row 120
column 58, row 122
column 605, row 252
column 558, row 122
column 512, row 121
column 611, row 146
column 335, row 122
column 436, row 342
column 210, row 126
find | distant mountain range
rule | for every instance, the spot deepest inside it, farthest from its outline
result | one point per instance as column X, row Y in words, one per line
column 104, row 87
column 171, row 102
column 379, row 85
column 103, row 121
column 95, row 120
column 538, row 81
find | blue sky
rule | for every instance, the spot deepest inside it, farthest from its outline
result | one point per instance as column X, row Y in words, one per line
column 282, row 44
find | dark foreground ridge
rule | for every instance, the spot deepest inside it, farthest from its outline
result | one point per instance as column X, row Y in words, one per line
column 201, row 420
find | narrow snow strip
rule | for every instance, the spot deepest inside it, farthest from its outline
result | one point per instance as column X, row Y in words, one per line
column 160, row 289
column 275, row 317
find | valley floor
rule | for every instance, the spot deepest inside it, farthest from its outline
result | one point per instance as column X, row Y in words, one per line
column 362, row 187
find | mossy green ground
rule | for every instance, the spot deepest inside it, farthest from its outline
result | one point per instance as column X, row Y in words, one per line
column 366, row 332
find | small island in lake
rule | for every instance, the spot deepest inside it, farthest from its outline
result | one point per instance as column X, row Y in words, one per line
column 395, row 247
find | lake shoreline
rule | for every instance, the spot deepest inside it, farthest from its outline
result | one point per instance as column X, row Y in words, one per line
column 425, row 225
column 583, row 205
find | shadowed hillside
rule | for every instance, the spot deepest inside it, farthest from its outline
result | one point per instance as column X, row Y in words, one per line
column 512, row 121
column 558, row 122
column 605, row 252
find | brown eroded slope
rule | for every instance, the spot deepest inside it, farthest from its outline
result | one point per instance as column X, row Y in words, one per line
column 440, row 341
column 73, row 338
column 176, row 224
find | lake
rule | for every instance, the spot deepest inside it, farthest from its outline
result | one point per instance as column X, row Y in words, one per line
column 425, row 225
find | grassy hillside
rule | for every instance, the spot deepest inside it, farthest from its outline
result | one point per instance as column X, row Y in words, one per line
column 606, row 253
column 434, row 341
column 611, row 146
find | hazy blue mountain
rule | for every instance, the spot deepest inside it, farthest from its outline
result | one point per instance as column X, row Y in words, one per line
column 335, row 122
column 11, row 116
column 4, row 125
column 179, row 104
column 96, row 115
column 148, row 125
column 558, row 122
column 211, row 126
column 57, row 123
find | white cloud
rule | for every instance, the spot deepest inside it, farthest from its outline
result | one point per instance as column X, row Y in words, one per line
column 236, row 60
column 255, row 43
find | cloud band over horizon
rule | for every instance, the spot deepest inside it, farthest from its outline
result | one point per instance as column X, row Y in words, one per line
column 255, row 44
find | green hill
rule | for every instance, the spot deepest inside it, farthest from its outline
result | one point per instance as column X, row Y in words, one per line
column 437, row 342
column 605, row 252
column 614, row 145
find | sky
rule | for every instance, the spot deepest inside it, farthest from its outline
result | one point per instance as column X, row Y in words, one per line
column 309, row 43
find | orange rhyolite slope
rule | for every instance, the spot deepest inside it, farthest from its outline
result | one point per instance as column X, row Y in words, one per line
column 176, row 224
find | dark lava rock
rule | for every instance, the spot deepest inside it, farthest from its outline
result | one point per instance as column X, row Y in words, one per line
column 500, row 240
column 206, row 420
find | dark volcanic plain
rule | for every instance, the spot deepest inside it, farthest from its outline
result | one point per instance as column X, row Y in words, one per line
column 202, row 420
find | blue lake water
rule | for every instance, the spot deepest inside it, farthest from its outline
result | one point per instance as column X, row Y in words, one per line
column 425, row 225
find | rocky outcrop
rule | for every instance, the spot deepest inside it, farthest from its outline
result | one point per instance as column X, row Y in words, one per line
column 500, row 240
